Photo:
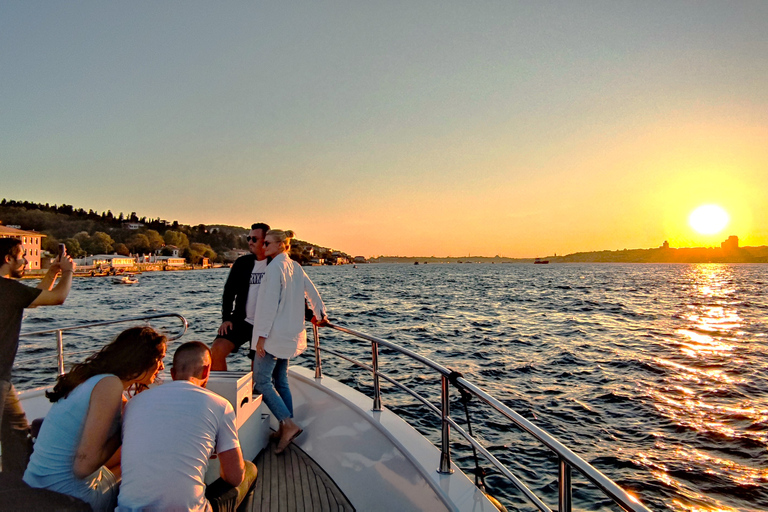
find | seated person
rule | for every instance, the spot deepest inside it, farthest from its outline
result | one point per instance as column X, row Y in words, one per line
column 81, row 432
column 169, row 434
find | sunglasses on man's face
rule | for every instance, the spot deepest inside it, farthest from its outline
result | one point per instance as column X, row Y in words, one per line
column 252, row 238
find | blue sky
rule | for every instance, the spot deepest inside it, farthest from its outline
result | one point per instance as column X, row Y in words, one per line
column 411, row 128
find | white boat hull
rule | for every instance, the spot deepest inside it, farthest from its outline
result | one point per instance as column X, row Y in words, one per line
column 377, row 459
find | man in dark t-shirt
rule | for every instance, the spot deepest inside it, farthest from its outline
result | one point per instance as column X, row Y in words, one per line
column 239, row 300
column 14, row 298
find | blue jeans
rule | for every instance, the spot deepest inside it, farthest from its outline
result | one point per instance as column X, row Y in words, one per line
column 270, row 378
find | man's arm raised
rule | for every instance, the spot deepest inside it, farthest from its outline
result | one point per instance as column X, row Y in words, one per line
column 57, row 294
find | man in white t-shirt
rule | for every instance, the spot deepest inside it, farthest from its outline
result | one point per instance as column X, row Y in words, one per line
column 169, row 434
column 239, row 299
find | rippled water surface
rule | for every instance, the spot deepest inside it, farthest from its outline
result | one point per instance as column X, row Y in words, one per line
column 655, row 374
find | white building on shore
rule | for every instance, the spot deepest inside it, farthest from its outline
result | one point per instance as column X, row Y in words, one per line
column 106, row 260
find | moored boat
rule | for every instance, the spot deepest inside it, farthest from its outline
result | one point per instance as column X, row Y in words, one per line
column 125, row 279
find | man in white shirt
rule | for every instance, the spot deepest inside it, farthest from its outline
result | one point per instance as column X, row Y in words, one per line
column 169, row 434
column 239, row 299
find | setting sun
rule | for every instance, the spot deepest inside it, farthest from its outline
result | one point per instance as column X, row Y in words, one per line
column 709, row 219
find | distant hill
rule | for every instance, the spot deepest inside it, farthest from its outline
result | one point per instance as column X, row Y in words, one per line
column 728, row 253
column 669, row 255
column 89, row 232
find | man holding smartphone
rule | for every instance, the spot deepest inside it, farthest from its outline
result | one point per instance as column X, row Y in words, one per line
column 14, row 298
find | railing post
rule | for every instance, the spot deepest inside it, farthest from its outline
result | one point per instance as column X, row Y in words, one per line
column 445, row 451
column 60, row 351
column 375, row 364
column 564, row 487
column 318, row 362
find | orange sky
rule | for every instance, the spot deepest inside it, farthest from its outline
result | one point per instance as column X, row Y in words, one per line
column 515, row 129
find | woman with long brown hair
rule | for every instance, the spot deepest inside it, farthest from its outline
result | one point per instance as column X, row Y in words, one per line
column 76, row 449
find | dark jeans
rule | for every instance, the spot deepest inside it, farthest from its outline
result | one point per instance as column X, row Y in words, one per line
column 14, row 431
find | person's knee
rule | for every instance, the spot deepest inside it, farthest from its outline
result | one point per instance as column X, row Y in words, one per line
column 251, row 471
column 248, row 479
column 221, row 348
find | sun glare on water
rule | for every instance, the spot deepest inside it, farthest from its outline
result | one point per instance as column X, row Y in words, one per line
column 709, row 219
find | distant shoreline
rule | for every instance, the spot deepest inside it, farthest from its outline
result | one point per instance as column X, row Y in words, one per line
column 657, row 255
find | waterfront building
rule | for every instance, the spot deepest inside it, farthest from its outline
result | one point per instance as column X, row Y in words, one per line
column 169, row 250
column 170, row 261
column 106, row 260
column 31, row 240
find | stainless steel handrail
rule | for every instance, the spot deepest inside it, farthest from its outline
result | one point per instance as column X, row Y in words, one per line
column 60, row 331
column 568, row 459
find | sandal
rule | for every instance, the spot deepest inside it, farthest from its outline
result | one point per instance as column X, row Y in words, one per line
column 282, row 445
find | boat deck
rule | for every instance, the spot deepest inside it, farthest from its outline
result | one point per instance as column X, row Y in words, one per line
column 292, row 481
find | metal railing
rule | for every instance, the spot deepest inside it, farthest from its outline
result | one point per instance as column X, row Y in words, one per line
column 60, row 334
column 567, row 459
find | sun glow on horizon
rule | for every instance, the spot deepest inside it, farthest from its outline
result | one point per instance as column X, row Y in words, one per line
column 709, row 219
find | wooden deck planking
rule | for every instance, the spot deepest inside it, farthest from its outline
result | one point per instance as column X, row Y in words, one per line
column 293, row 482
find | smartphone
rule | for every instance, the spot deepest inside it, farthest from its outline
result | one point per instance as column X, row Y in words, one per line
column 62, row 249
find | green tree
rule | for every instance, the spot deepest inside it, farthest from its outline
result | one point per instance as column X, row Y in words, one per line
column 176, row 238
column 99, row 243
column 155, row 240
column 73, row 248
column 51, row 244
column 139, row 243
column 82, row 236
column 122, row 249
column 196, row 252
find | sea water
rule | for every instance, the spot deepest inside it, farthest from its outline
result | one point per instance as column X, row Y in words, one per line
column 655, row 374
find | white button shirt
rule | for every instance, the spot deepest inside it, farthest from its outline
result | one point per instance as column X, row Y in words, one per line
column 279, row 313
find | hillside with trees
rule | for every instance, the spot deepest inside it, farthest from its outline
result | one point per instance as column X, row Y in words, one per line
column 89, row 232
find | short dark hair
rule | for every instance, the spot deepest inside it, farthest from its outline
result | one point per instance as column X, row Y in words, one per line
column 261, row 226
column 185, row 359
column 8, row 244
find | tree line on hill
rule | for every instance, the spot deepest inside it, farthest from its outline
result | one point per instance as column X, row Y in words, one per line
column 89, row 232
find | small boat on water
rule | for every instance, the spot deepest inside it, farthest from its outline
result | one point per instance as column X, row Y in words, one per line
column 355, row 453
column 125, row 279
column 539, row 261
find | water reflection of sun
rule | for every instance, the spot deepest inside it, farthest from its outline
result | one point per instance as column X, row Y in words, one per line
column 713, row 322
column 700, row 376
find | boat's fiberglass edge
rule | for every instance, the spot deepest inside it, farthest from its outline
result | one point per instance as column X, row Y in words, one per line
column 375, row 457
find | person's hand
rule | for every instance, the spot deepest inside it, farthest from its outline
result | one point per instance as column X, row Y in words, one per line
column 225, row 327
column 55, row 267
column 320, row 323
column 260, row 347
column 66, row 263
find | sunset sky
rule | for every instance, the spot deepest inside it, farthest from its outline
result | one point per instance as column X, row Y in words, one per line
column 398, row 128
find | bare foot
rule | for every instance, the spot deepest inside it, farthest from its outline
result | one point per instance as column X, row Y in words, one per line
column 290, row 432
column 275, row 436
